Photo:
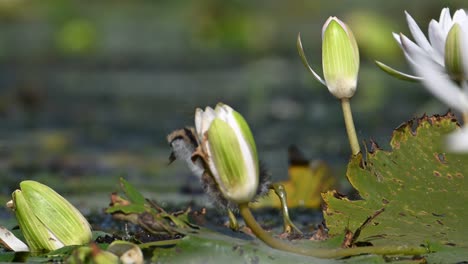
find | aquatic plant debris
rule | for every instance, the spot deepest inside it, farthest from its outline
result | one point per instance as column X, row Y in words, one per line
column 11, row 242
column 222, row 243
column 135, row 208
column 423, row 189
column 402, row 206
column 307, row 180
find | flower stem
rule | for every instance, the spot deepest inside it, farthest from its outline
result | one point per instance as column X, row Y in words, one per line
column 321, row 252
column 348, row 118
column 260, row 232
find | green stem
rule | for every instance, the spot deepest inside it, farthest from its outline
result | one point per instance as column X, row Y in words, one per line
column 321, row 253
column 264, row 235
column 348, row 118
column 160, row 243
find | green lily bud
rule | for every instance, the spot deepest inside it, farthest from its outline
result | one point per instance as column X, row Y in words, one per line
column 340, row 58
column 46, row 219
column 453, row 56
column 229, row 151
column 92, row 254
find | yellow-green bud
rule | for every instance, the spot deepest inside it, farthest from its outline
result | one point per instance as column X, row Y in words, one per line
column 340, row 58
column 46, row 219
column 230, row 152
column 92, row 254
column 453, row 56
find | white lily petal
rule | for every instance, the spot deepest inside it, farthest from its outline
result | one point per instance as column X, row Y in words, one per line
column 208, row 117
column 437, row 38
column 414, row 49
column 397, row 38
column 209, row 110
column 459, row 16
column 439, row 84
column 464, row 88
column 405, row 52
column 445, row 20
column 458, row 141
column 418, row 35
column 223, row 111
column 198, row 122
column 410, row 48
column 218, row 107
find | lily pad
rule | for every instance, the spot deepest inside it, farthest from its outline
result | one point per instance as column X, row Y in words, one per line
column 422, row 190
column 205, row 246
column 307, row 180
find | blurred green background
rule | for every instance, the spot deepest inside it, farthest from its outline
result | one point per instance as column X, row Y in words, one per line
column 90, row 89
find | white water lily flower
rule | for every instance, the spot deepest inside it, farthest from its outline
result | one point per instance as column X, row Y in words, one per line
column 441, row 85
column 434, row 47
column 229, row 151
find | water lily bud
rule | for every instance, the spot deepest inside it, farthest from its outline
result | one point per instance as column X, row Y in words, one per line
column 92, row 254
column 229, row 151
column 453, row 56
column 46, row 219
column 340, row 58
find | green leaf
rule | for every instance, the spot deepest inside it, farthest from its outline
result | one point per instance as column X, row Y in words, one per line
column 61, row 252
column 422, row 189
column 205, row 246
column 156, row 219
column 448, row 255
column 132, row 193
column 98, row 233
column 7, row 256
column 126, row 209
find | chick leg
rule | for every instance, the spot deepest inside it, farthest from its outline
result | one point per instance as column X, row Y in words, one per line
column 288, row 225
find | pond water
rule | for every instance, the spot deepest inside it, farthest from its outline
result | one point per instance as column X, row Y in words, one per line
column 89, row 92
